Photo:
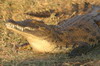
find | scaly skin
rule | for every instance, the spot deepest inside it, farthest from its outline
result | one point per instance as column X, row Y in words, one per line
column 76, row 35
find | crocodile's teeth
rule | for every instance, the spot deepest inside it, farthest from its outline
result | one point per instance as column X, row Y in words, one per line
column 12, row 26
column 27, row 28
column 22, row 29
column 16, row 25
column 8, row 25
column 19, row 27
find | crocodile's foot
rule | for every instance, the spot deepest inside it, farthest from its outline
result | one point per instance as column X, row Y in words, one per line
column 80, row 50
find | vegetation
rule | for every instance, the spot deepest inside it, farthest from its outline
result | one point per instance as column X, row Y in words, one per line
column 16, row 9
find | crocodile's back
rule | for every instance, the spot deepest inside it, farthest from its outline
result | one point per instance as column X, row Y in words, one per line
column 81, row 30
column 82, row 33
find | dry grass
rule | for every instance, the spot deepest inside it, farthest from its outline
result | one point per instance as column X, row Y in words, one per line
column 15, row 9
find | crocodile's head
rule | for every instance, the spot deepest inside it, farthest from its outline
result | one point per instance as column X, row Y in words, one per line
column 36, row 33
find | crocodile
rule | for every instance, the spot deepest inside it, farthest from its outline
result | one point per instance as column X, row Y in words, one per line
column 75, row 36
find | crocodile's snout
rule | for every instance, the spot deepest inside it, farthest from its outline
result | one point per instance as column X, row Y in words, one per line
column 11, row 24
column 20, row 25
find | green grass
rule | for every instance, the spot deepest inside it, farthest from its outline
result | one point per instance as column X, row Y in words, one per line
column 9, row 56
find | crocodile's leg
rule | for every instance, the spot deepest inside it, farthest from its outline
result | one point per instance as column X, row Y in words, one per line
column 80, row 50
